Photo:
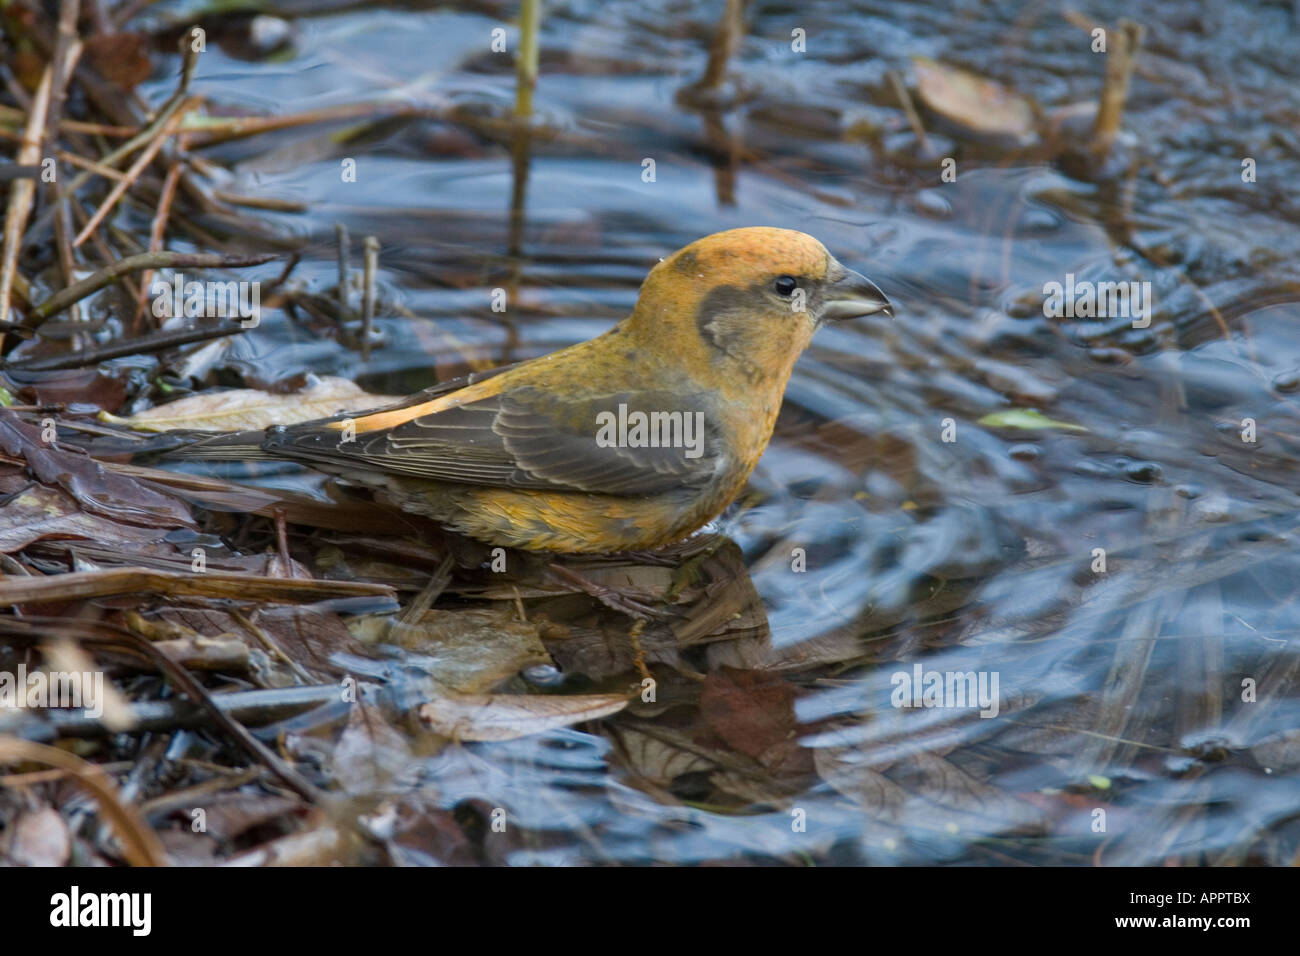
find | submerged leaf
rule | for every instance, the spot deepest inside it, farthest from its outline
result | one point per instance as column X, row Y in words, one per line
column 472, row 651
column 980, row 106
column 510, row 716
column 1027, row 419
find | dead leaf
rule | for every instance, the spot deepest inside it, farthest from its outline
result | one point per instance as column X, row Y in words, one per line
column 472, row 651
column 423, row 834
column 140, row 845
column 228, row 815
column 248, row 409
column 33, row 512
column 120, row 58
column 980, row 106
column 39, row 838
column 370, row 753
column 944, row 783
column 752, row 711
column 511, row 716
column 322, row 846
column 845, row 770
column 81, row 386
column 103, row 492
column 660, row 760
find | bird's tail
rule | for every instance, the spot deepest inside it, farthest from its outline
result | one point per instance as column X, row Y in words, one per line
column 171, row 445
column 232, row 446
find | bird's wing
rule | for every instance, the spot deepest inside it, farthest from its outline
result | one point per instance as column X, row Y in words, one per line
column 526, row 437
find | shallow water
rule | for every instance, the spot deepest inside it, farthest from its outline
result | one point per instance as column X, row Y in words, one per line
column 1118, row 690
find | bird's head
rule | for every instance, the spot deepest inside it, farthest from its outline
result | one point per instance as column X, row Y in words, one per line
column 751, row 296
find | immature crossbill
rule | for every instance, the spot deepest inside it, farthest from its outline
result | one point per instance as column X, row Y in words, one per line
column 628, row 441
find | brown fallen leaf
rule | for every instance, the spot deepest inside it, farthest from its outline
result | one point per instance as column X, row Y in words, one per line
column 845, row 770
column 82, row 386
column 96, row 489
column 370, row 752
column 752, row 711
column 472, row 651
column 979, row 106
column 121, row 58
column 248, row 409
column 943, row 783
column 421, row 832
column 660, row 758
column 511, row 716
column 34, row 512
column 229, row 815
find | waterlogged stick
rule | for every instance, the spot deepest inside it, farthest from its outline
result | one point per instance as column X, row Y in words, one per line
column 84, row 585
column 345, row 269
column 371, row 246
column 67, row 52
column 909, row 109
column 164, row 259
column 530, row 18
column 143, row 138
column 1119, row 68
column 156, row 232
column 22, row 191
column 120, row 187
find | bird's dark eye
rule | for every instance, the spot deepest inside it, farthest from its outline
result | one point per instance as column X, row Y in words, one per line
column 785, row 285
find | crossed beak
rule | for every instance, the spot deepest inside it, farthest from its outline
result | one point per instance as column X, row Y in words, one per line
column 852, row 297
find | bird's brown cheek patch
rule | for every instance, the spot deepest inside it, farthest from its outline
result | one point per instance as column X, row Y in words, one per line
column 720, row 316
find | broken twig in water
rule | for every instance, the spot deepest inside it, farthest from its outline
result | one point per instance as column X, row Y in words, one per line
column 164, row 259
column 1119, row 69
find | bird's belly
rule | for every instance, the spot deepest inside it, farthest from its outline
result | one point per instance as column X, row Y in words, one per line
column 559, row 521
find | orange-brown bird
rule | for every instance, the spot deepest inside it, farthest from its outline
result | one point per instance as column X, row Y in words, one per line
column 629, row 441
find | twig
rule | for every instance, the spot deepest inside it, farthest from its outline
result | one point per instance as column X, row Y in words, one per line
column 268, row 642
column 144, row 137
column 23, row 191
column 83, row 585
column 156, row 230
column 13, row 115
column 164, row 259
column 269, row 203
column 72, row 159
column 1119, row 68
column 371, row 247
column 530, row 15
column 152, row 342
column 40, row 628
column 104, row 254
column 345, row 269
column 140, row 844
column 209, row 130
column 67, row 50
column 121, row 186
column 909, row 108
column 726, row 41
column 438, row 581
